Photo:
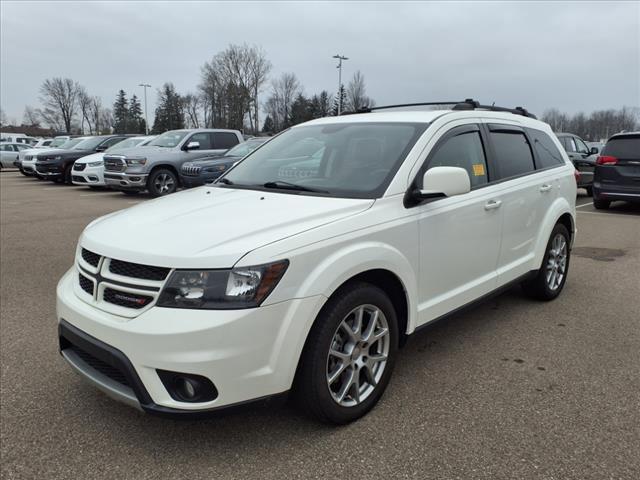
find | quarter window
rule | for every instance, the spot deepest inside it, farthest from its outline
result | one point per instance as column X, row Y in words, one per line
column 548, row 155
column 581, row 147
column 513, row 153
column 224, row 140
column 464, row 151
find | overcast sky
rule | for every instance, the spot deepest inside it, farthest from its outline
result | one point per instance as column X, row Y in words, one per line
column 576, row 56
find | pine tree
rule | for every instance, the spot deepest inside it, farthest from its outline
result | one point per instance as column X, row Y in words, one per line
column 300, row 111
column 268, row 126
column 170, row 110
column 339, row 100
column 136, row 123
column 120, row 113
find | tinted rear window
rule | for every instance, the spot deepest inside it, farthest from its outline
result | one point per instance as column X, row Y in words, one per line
column 546, row 151
column 224, row 140
column 623, row 147
column 513, row 153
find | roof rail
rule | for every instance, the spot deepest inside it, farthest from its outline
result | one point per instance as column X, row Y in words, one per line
column 467, row 104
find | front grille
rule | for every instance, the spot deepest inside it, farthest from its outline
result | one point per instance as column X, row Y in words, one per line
column 78, row 167
column 125, row 299
column 28, row 157
column 79, row 179
column 191, row 170
column 104, row 368
column 86, row 284
column 114, row 164
column 90, row 257
column 135, row 270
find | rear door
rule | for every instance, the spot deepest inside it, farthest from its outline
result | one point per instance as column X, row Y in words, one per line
column 619, row 164
column 525, row 194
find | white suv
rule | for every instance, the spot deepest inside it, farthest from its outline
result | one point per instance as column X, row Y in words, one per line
column 307, row 273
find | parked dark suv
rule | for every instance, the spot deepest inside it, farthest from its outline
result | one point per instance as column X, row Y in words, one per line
column 582, row 156
column 56, row 165
column 617, row 173
column 207, row 169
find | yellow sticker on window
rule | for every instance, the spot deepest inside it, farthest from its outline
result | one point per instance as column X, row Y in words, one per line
column 478, row 169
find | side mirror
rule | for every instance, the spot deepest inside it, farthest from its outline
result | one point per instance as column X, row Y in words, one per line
column 192, row 146
column 444, row 182
column 594, row 150
column 101, row 148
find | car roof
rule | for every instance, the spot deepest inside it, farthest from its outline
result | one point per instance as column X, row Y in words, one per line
column 625, row 134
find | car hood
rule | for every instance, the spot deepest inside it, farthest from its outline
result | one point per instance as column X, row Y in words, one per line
column 69, row 152
column 94, row 157
column 143, row 150
column 211, row 227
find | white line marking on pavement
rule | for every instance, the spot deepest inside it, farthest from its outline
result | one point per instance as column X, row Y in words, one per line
column 617, row 214
column 584, row 205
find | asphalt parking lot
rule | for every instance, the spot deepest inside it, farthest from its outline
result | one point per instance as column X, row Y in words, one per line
column 512, row 389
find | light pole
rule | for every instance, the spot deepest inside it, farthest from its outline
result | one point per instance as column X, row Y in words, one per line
column 146, row 119
column 339, row 67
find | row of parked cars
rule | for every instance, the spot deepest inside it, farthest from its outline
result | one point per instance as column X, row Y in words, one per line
column 132, row 164
column 190, row 158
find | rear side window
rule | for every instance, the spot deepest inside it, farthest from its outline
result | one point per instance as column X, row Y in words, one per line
column 513, row 153
column 464, row 151
column 547, row 153
column 623, row 147
column 224, row 140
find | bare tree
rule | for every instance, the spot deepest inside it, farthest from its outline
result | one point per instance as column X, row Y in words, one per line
column 31, row 117
column 61, row 95
column 192, row 108
column 52, row 119
column 284, row 90
column 356, row 94
column 259, row 68
column 84, row 102
column 3, row 117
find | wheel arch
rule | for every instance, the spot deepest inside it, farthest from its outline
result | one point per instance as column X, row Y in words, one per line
column 166, row 166
column 560, row 212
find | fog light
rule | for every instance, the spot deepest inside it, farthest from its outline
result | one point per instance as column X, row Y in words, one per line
column 188, row 387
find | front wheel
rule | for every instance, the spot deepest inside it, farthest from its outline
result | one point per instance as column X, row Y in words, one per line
column 552, row 275
column 349, row 355
column 162, row 182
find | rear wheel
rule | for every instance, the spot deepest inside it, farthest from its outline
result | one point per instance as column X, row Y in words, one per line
column 349, row 355
column 552, row 275
column 162, row 182
column 601, row 204
column 589, row 190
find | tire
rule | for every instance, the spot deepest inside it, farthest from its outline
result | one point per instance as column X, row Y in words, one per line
column 601, row 204
column 544, row 285
column 589, row 190
column 67, row 175
column 24, row 173
column 313, row 389
column 162, row 182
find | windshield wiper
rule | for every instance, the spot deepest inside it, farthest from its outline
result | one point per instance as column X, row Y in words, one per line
column 291, row 186
column 226, row 181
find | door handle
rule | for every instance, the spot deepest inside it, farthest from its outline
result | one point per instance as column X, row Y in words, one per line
column 545, row 188
column 492, row 204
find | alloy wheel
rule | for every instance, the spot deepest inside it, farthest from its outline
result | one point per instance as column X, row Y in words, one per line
column 358, row 355
column 164, row 183
column 556, row 262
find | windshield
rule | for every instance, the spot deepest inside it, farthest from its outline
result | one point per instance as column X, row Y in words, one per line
column 128, row 143
column 58, row 142
column 168, row 139
column 244, row 148
column 356, row 160
column 89, row 143
column 71, row 143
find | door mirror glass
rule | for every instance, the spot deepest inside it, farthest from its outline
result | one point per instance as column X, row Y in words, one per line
column 192, row 146
column 445, row 182
column 594, row 150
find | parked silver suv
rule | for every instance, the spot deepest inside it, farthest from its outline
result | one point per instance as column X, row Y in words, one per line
column 155, row 167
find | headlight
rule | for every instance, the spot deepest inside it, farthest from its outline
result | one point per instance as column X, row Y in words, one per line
column 243, row 287
column 135, row 160
column 216, row 168
column 96, row 164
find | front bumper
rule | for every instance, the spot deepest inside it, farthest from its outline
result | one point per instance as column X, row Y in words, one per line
column 247, row 354
column 48, row 170
column 93, row 176
column 133, row 181
column 202, row 179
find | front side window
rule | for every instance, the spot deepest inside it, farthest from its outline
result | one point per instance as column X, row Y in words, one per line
column 513, row 153
column 224, row 140
column 89, row 143
column 168, row 139
column 113, row 141
column 203, row 139
column 548, row 155
column 464, row 151
column 6, row 148
column 354, row 160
